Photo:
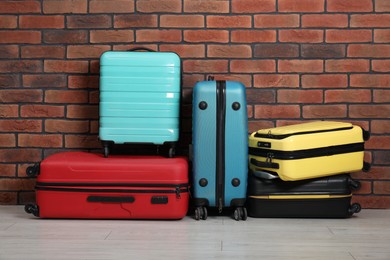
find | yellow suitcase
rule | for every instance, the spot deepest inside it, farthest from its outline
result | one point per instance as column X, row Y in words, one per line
column 308, row 150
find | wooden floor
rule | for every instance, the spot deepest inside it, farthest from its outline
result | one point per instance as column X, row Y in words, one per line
column 364, row 236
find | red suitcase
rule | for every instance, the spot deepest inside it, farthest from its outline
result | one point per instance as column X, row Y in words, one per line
column 87, row 185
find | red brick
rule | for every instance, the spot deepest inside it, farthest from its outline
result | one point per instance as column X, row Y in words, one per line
column 103, row 36
column 348, row 6
column 43, row 51
column 82, row 141
column 252, row 66
column 20, row 95
column 18, row 36
column 18, row 7
column 182, row 21
column 44, row 80
column 370, row 20
column 324, row 111
column 243, row 78
column 94, row 66
column 369, row 50
column 110, row 6
column 20, row 155
column 41, row 21
column 83, row 82
column 382, row 35
column 135, row 21
column 205, row 66
column 304, row 6
column 42, row 111
column 382, row 96
column 378, row 143
column 300, row 66
column 276, row 80
column 63, row 7
column 376, row 172
column 369, row 111
column 94, row 127
column 260, row 96
column 66, row 66
column 322, row 51
column 277, row 111
column 66, row 96
column 66, row 126
column 155, row 6
column 276, row 50
column 9, row 51
column 365, row 188
column 83, row 112
column 300, row 96
column 65, row 36
column 158, row 35
column 276, row 20
column 382, row 6
column 380, row 127
column 243, row 21
column 211, row 6
column 20, row 66
column 186, row 50
column 370, row 80
column 347, row 96
column 9, row 111
column 9, row 81
column 7, row 170
column 325, row 81
column 256, row 125
column 89, row 21
column 19, row 125
column 381, row 187
column 16, row 184
column 86, row 51
column 251, row 36
column 7, row 140
column 372, row 202
column 253, row 6
column 325, row 20
column 206, row 36
column 229, row 51
column 189, row 80
column 347, row 65
column 8, row 21
column 333, row 36
column 306, row 35
column 38, row 140
column 94, row 97
column 381, row 157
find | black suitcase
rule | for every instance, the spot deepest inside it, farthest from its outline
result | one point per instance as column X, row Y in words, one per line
column 327, row 197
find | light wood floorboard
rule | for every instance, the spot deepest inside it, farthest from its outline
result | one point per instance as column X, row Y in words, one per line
column 366, row 236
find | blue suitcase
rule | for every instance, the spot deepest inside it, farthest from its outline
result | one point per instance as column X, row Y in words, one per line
column 220, row 152
column 139, row 98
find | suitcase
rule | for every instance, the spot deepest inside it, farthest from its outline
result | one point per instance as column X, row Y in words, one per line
column 88, row 186
column 326, row 197
column 308, row 150
column 220, row 152
column 139, row 98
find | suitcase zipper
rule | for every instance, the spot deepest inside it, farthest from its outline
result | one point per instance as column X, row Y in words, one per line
column 220, row 143
column 269, row 135
column 308, row 153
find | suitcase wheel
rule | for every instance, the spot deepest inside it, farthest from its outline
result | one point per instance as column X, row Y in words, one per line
column 366, row 135
column 106, row 151
column 201, row 213
column 32, row 171
column 240, row 214
column 355, row 208
column 171, row 152
column 355, row 184
column 32, row 209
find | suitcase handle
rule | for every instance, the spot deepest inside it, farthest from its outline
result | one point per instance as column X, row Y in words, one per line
column 111, row 199
column 264, row 175
column 141, row 49
column 266, row 164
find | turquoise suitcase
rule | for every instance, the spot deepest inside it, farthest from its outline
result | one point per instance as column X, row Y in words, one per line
column 220, row 152
column 139, row 98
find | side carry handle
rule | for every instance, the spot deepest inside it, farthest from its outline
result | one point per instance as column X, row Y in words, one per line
column 141, row 49
column 266, row 164
column 111, row 199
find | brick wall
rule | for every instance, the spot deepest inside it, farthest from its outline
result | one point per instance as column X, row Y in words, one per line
column 300, row 60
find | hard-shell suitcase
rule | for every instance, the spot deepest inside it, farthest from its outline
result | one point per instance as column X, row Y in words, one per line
column 139, row 98
column 326, row 197
column 220, row 152
column 87, row 185
column 308, row 150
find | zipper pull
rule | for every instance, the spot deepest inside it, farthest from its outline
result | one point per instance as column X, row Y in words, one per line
column 177, row 191
column 270, row 156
